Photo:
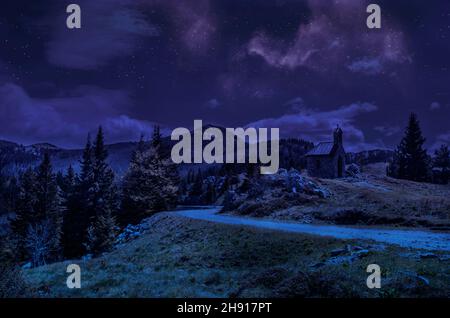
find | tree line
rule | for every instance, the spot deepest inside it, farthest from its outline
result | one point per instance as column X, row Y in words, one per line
column 412, row 162
column 67, row 215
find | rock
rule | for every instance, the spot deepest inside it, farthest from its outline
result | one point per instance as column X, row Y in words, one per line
column 361, row 253
column 87, row 257
column 354, row 248
column 353, row 170
column 130, row 232
column 339, row 251
column 27, row 266
column 317, row 265
column 424, row 280
column 294, row 182
column 428, row 256
column 322, row 193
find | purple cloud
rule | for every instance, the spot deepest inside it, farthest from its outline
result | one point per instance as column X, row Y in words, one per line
column 194, row 21
column 109, row 30
column 213, row 104
column 335, row 33
column 435, row 106
column 388, row 131
column 66, row 120
column 318, row 125
column 114, row 28
column 296, row 104
column 369, row 66
column 442, row 139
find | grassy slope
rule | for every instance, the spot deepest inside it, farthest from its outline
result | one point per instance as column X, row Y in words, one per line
column 185, row 258
column 372, row 199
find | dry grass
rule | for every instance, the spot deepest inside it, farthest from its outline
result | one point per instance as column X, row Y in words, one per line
column 372, row 199
column 185, row 258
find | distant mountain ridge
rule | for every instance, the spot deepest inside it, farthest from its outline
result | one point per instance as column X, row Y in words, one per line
column 369, row 156
column 15, row 157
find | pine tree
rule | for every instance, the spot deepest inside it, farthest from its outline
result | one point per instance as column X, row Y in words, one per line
column 133, row 200
column 25, row 210
column 149, row 186
column 71, row 214
column 10, row 193
column 156, row 137
column 197, row 187
column 101, row 233
column 79, row 206
column 442, row 162
column 210, row 195
column 101, row 236
column 12, row 284
column 48, row 205
column 38, row 203
column 410, row 159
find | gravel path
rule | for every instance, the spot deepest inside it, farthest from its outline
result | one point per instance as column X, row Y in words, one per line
column 404, row 238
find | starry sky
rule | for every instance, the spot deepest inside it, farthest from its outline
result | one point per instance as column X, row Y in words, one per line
column 303, row 66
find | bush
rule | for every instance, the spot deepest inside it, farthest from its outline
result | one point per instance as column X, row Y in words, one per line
column 12, row 284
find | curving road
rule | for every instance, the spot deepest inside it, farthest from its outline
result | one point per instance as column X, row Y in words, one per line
column 404, row 238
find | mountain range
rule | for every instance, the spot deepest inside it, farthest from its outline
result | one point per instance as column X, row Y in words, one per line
column 15, row 157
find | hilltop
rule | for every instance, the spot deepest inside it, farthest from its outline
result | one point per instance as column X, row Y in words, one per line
column 179, row 257
column 367, row 199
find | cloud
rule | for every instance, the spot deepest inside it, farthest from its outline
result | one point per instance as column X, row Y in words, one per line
column 369, row 66
column 295, row 105
column 109, row 30
column 115, row 28
column 194, row 22
column 435, row 106
column 213, row 104
column 317, row 126
column 67, row 119
column 442, row 139
column 310, row 41
column 330, row 38
column 388, row 131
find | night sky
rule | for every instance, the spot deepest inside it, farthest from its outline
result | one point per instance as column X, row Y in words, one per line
column 301, row 66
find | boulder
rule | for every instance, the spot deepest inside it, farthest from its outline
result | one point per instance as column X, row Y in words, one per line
column 353, row 170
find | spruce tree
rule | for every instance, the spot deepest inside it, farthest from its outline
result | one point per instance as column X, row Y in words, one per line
column 101, row 235
column 197, row 187
column 410, row 158
column 48, row 205
column 156, row 137
column 134, row 203
column 38, row 203
column 12, row 284
column 79, row 205
column 150, row 185
column 71, row 214
column 25, row 209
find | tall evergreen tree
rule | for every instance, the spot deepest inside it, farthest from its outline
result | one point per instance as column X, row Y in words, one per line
column 38, row 203
column 72, row 215
column 410, row 158
column 156, row 137
column 197, row 187
column 79, row 206
column 25, row 209
column 101, row 234
column 48, row 205
column 12, row 284
column 149, row 186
